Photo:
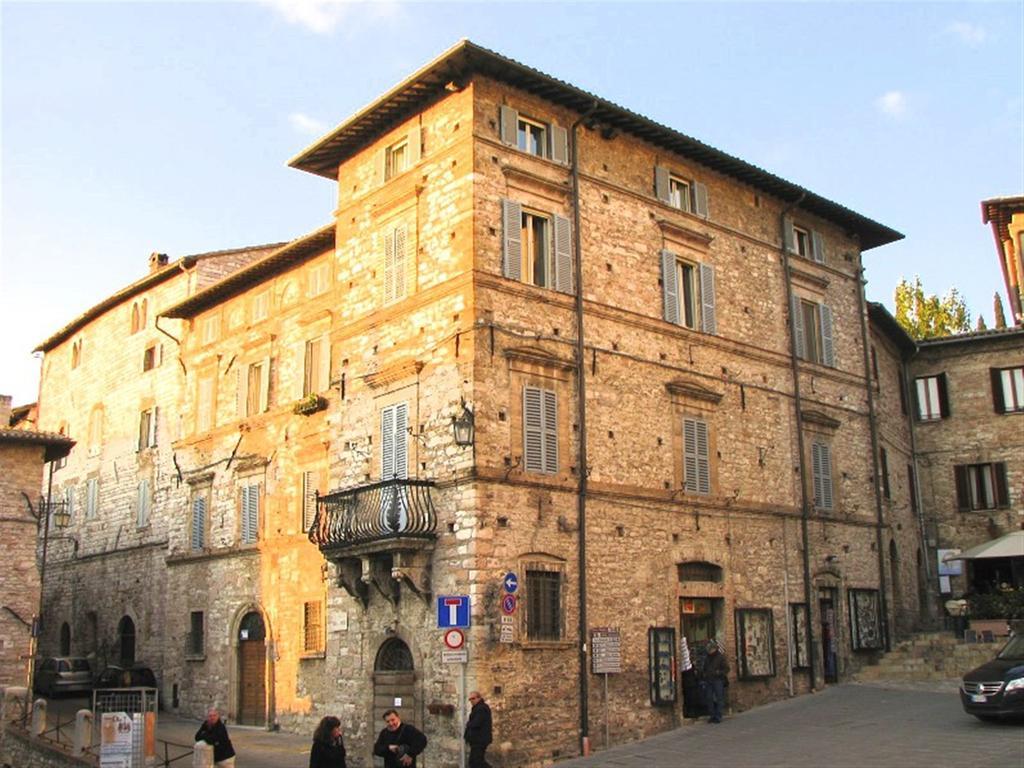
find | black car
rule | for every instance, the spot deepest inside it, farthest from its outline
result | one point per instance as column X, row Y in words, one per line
column 136, row 676
column 996, row 688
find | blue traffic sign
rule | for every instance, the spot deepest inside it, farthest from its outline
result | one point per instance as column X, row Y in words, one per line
column 511, row 582
column 452, row 611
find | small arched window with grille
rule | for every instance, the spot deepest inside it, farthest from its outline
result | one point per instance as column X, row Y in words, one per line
column 393, row 656
column 698, row 570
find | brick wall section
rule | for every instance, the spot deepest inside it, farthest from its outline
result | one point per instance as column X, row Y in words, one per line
column 21, row 472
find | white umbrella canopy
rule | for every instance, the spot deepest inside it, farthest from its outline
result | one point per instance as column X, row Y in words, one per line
column 1010, row 545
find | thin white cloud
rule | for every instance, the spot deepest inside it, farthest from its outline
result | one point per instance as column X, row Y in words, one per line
column 892, row 104
column 306, row 124
column 969, row 34
column 324, row 16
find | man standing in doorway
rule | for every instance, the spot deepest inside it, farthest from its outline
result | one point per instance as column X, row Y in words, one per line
column 478, row 730
column 398, row 742
column 716, row 672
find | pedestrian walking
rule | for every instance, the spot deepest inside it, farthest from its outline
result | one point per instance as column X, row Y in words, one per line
column 398, row 742
column 328, row 749
column 478, row 730
column 716, row 675
column 215, row 733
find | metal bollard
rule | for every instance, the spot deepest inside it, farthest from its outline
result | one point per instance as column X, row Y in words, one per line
column 83, row 732
column 38, row 718
column 202, row 755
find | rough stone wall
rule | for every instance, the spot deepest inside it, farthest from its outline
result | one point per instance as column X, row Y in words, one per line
column 972, row 434
column 21, row 471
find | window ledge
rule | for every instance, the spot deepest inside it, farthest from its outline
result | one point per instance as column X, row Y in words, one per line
column 546, row 645
column 195, row 657
column 312, row 655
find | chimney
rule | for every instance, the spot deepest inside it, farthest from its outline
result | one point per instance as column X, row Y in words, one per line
column 157, row 261
column 5, row 411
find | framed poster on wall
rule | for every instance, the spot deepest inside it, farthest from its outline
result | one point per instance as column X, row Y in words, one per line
column 661, row 647
column 755, row 643
column 865, row 620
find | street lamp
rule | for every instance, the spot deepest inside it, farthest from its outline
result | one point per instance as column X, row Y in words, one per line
column 463, row 427
column 57, row 511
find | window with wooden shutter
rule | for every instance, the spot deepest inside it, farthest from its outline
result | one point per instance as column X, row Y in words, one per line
column 92, row 493
column 563, row 254
column 316, row 366
column 696, row 460
column 309, row 492
column 821, row 470
column 981, row 486
column 254, row 388
column 828, row 355
column 708, row 319
column 142, row 501
column 394, row 428
column 512, row 247
column 250, row 513
column 812, row 328
column 147, row 428
column 313, row 627
column 69, row 505
column 1007, row 389
column 931, row 398
column 540, row 430
column 198, row 533
column 395, row 264
column 883, row 460
column 197, row 633
column 688, row 293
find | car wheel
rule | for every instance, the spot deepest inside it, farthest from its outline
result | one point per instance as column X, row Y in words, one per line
column 987, row 718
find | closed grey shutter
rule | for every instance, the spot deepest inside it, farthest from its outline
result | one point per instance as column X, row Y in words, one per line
column 250, row 513
column 142, row 504
column 797, row 319
column 509, row 120
column 92, row 494
column 559, row 144
column 787, row 234
column 512, row 250
column 198, row 523
column 398, row 263
column 533, row 423
column 387, row 443
column 661, row 190
column 816, row 472
column 944, row 408
column 998, row 400
column 563, row 254
column 401, row 430
column 265, row 384
column 690, row 455
column 550, row 432
column 821, row 460
column 708, row 321
column 700, row 199
column 817, row 247
column 827, row 347
column 669, row 287
column 414, row 143
column 703, row 459
column 389, row 267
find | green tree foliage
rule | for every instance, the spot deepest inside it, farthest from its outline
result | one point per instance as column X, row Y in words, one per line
column 929, row 317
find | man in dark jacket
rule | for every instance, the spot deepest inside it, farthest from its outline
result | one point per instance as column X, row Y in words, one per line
column 478, row 730
column 215, row 733
column 398, row 742
column 716, row 672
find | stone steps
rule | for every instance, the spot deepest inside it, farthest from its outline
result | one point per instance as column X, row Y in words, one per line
column 928, row 656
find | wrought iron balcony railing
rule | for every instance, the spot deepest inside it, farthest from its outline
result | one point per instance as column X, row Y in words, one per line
column 386, row 509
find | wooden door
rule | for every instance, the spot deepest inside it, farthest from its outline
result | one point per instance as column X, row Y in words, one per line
column 252, row 664
column 394, row 681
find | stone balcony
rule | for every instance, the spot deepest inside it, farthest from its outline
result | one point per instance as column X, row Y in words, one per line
column 379, row 536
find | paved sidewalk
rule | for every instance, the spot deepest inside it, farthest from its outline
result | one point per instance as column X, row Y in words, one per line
column 843, row 726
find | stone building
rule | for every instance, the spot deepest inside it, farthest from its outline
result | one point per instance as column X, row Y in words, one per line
column 24, row 455
column 1006, row 216
column 677, row 431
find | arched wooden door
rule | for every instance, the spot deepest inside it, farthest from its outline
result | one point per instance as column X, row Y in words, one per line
column 126, row 641
column 252, row 669
column 394, row 681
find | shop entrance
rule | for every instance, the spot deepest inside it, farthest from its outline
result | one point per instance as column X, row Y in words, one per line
column 828, row 601
column 699, row 621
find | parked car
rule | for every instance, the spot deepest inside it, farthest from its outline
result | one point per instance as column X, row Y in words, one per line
column 996, row 688
column 136, row 676
column 62, row 674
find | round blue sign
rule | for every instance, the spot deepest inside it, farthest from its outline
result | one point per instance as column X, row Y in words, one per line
column 511, row 582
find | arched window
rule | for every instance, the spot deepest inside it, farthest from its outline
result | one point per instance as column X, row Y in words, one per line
column 135, row 317
column 142, row 314
column 76, row 353
column 65, row 639
column 393, row 656
column 126, row 640
column 698, row 570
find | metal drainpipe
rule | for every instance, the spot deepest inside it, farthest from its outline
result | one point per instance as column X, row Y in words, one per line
column 794, row 362
column 581, row 417
column 875, row 464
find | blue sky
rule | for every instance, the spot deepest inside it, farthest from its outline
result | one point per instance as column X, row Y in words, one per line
column 133, row 127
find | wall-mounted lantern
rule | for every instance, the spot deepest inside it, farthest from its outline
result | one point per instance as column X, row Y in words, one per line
column 462, row 426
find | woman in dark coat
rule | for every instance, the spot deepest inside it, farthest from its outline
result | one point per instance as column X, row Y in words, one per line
column 215, row 733
column 328, row 747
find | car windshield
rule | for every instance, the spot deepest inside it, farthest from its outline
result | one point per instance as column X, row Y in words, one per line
column 1013, row 649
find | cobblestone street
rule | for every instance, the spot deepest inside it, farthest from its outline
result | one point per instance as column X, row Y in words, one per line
column 904, row 725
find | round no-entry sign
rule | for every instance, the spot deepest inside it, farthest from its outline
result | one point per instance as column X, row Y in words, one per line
column 454, row 639
column 508, row 604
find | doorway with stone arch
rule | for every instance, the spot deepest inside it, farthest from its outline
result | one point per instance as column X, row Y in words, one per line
column 126, row 641
column 252, row 670
column 394, row 681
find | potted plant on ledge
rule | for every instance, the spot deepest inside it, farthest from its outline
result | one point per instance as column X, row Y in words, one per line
column 311, row 403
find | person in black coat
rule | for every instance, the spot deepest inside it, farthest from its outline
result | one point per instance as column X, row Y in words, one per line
column 328, row 746
column 478, row 730
column 215, row 733
column 398, row 742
